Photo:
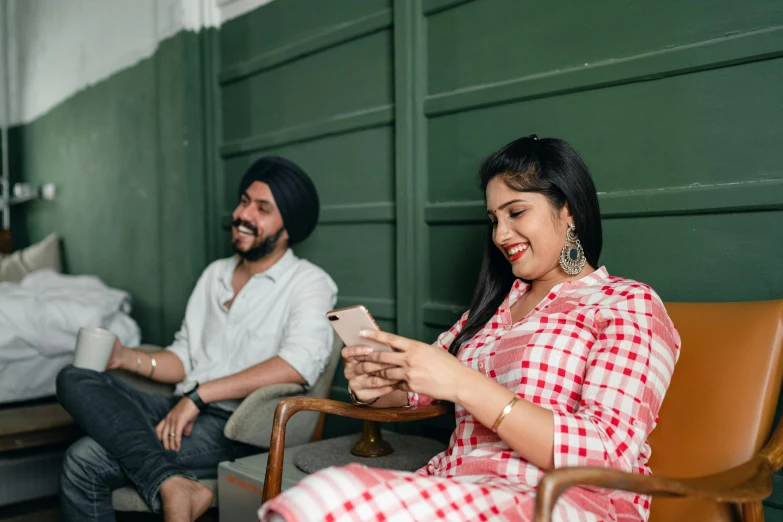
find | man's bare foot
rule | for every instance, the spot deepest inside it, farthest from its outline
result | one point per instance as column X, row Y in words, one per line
column 184, row 500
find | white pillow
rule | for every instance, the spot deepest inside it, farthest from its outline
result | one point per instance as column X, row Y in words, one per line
column 44, row 254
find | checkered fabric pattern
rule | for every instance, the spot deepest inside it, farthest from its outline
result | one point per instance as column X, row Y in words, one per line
column 599, row 352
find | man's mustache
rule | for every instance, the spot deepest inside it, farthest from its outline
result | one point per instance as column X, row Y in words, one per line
column 250, row 226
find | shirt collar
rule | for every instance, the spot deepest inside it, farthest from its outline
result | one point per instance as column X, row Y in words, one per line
column 274, row 272
column 520, row 287
column 277, row 270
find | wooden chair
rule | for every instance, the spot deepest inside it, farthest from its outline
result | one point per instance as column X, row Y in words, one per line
column 716, row 416
column 714, row 421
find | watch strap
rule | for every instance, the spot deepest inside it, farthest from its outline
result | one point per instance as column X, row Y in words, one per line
column 196, row 398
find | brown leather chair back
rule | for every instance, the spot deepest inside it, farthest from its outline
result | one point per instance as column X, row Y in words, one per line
column 719, row 409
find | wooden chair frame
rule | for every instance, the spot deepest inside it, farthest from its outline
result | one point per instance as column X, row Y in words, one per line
column 745, row 485
column 288, row 407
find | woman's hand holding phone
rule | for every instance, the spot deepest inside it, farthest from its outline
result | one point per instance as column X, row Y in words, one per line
column 417, row 367
column 361, row 374
column 348, row 323
column 378, row 363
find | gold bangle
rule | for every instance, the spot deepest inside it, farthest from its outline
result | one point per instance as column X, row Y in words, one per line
column 154, row 364
column 505, row 412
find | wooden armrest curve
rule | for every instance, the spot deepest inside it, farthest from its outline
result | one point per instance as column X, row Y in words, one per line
column 291, row 405
column 748, row 482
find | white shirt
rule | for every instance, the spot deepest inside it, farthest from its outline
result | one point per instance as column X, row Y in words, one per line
column 280, row 312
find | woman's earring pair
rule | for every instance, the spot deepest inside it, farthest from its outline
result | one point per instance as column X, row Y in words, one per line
column 572, row 257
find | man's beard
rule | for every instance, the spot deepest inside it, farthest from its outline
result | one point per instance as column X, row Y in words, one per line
column 261, row 250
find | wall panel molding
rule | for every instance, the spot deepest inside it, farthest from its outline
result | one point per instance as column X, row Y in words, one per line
column 380, row 308
column 340, row 124
column 337, row 35
column 410, row 73
column 432, row 7
column 670, row 201
column 350, row 213
column 710, row 54
column 381, row 212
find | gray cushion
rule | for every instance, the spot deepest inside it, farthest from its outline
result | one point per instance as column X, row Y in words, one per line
column 410, row 453
column 41, row 255
column 128, row 499
column 252, row 421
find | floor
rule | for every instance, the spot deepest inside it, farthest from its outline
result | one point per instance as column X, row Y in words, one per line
column 46, row 511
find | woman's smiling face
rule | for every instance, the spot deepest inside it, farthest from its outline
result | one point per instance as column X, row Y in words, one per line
column 527, row 229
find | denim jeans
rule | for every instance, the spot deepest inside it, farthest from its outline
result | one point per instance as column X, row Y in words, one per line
column 122, row 447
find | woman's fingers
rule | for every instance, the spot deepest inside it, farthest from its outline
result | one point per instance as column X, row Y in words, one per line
column 353, row 370
column 402, row 386
column 394, row 374
column 387, row 358
column 395, row 341
column 366, row 368
column 373, row 382
column 380, row 392
column 355, row 351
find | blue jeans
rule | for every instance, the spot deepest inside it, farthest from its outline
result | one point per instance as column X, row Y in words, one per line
column 122, row 447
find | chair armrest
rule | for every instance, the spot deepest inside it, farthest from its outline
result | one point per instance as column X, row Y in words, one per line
column 288, row 407
column 250, row 421
column 748, row 482
column 140, row 382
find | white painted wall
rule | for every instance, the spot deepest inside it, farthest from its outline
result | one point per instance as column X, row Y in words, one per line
column 59, row 47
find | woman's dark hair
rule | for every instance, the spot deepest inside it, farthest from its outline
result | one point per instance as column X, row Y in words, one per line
column 549, row 167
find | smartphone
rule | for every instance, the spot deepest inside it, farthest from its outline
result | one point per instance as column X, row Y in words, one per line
column 348, row 322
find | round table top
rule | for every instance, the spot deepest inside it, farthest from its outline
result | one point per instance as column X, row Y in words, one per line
column 410, row 453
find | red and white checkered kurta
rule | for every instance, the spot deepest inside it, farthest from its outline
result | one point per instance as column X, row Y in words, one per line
column 599, row 352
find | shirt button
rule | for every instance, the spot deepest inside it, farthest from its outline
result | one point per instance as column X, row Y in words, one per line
column 481, row 366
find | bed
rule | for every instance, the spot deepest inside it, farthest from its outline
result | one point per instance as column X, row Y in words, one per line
column 41, row 311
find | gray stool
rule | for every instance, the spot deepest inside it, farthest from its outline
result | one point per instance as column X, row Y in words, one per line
column 241, row 482
column 411, row 453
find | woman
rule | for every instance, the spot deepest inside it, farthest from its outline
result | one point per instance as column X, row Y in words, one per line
column 556, row 364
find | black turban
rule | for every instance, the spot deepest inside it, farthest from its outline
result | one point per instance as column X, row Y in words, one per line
column 293, row 190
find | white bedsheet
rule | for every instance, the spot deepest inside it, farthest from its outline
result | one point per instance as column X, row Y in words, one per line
column 28, row 379
column 39, row 320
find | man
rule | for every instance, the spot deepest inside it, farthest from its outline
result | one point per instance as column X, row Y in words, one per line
column 255, row 319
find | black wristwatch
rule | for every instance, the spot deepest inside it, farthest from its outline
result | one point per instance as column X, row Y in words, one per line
column 191, row 392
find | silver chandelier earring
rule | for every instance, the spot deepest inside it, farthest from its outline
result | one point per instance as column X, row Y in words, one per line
column 572, row 257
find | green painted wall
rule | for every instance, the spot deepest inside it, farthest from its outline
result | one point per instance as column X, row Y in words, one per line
column 304, row 80
column 391, row 106
column 128, row 157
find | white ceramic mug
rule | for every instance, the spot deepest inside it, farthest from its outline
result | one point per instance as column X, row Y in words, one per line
column 93, row 348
